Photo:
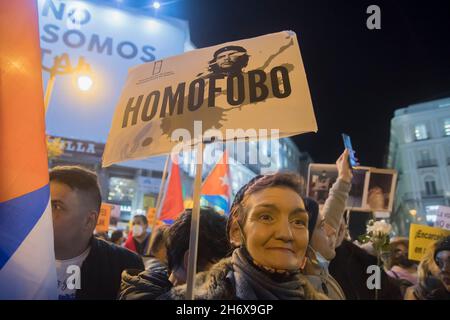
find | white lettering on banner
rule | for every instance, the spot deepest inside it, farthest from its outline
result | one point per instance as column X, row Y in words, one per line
column 75, row 38
column 104, row 36
column 248, row 86
column 79, row 146
column 125, row 208
column 90, row 148
column 69, row 145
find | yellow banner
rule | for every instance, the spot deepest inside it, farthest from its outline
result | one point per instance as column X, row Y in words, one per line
column 421, row 237
column 103, row 218
column 253, row 89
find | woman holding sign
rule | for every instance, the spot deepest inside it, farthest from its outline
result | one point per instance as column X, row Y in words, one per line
column 268, row 227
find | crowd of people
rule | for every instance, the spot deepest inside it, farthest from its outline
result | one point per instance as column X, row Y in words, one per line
column 275, row 244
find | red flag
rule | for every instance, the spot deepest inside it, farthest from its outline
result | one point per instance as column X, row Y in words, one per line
column 173, row 202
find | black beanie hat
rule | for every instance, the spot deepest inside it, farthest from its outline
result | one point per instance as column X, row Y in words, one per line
column 313, row 213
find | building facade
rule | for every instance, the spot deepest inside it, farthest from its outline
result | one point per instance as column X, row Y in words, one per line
column 135, row 185
column 248, row 159
column 419, row 149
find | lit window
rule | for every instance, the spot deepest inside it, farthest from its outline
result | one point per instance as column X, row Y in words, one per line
column 121, row 189
column 447, row 127
column 431, row 212
column 420, row 132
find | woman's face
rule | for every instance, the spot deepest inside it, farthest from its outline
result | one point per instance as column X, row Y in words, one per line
column 276, row 229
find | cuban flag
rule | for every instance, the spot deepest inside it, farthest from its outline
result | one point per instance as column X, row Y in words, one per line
column 27, row 261
column 173, row 204
column 216, row 187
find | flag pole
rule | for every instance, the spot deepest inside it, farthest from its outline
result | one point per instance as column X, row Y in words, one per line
column 193, row 238
column 158, row 205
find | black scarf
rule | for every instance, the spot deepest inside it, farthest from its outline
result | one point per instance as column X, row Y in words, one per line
column 254, row 283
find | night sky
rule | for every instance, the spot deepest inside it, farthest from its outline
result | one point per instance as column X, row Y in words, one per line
column 357, row 76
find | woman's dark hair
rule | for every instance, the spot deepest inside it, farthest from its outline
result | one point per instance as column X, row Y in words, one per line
column 212, row 239
column 238, row 212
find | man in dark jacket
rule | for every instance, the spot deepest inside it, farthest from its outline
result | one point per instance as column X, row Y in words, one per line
column 87, row 267
column 102, row 269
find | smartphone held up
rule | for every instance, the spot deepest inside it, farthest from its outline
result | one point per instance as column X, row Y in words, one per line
column 351, row 156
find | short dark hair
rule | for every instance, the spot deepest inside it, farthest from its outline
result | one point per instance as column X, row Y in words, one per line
column 159, row 239
column 80, row 179
column 238, row 212
column 142, row 217
column 212, row 239
column 116, row 235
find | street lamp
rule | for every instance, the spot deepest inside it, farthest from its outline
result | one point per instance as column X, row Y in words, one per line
column 84, row 82
column 82, row 70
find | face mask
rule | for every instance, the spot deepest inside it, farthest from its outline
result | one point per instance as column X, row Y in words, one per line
column 324, row 263
column 137, row 230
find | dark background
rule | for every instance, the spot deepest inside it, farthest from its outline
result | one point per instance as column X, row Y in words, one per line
column 357, row 76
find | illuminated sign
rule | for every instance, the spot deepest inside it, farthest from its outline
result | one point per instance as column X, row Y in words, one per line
column 110, row 41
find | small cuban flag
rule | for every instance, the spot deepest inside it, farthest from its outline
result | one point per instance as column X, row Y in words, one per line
column 216, row 187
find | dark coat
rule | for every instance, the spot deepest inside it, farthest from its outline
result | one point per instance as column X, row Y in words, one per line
column 102, row 269
column 349, row 268
column 145, row 285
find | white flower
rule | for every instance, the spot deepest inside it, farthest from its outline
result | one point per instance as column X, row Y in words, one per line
column 379, row 228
